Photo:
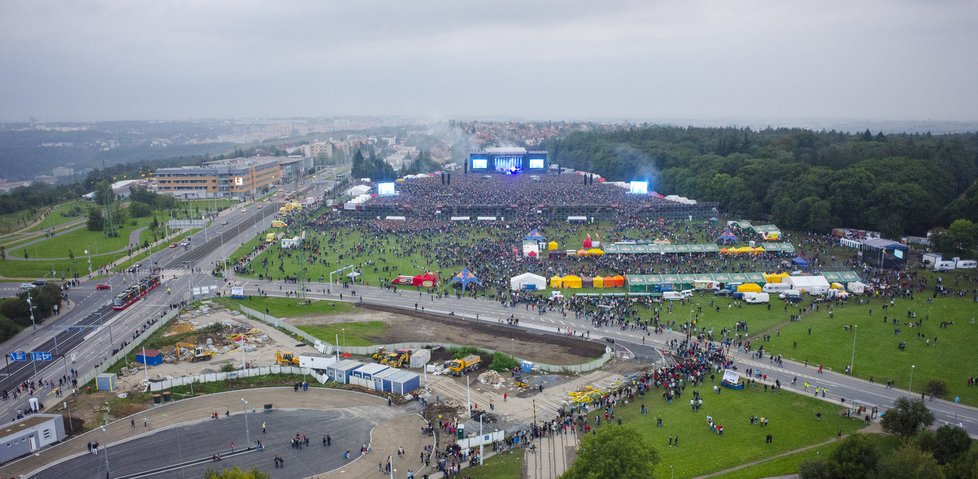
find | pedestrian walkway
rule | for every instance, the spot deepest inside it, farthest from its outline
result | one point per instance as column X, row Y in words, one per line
column 199, row 409
column 404, row 432
column 554, row 454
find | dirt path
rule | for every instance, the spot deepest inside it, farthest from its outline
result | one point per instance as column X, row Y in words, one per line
column 424, row 327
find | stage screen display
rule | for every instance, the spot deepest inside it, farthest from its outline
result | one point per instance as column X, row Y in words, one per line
column 508, row 163
column 385, row 189
column 536, row 163
column 480, row 163
column 638, row 187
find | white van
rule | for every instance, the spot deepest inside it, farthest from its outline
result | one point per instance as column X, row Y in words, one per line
column 672, row 296
column 756, row 298
column 790, row 294
column 776, row 288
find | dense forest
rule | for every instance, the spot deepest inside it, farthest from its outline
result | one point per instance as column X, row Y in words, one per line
column 898, row 184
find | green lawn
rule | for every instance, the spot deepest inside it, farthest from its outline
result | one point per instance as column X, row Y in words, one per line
column 789, row 464
column 57, row 215
column 877, row 356
column 288, row 308
column 10, row 222
column 359, row 333
column 505, row 465
column 792, row 423
column 79, row 240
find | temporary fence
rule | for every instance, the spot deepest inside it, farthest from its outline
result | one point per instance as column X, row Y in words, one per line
column 85, row 378
column 165, row 384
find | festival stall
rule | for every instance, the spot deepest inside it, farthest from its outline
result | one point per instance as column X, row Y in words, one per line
column 573, row 282
column 426, row 280
column 527, row 281
column 465, row 277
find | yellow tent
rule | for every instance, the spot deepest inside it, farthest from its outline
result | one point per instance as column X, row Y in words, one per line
column 598, row 282
column 774, row 277
column 595, row 252
column 551, row 245
column 582, row 252
column 556, row 282
column 571, row 281
column 749, row 288
column 838, row 286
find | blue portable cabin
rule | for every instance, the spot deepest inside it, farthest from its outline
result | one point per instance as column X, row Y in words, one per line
column 379, row 379
column 341, row 371
column 402, row 382
column 364, row 376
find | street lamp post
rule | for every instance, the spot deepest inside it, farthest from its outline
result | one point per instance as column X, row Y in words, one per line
column 247, row 432
column 105, row 452
column 89, row 262
column 852, row 362
column 912, row 367
column 30, row 305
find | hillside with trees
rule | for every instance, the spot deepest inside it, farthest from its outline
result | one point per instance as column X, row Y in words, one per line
column 802, row 179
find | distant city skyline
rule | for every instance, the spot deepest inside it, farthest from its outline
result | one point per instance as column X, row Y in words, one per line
column 745, row 63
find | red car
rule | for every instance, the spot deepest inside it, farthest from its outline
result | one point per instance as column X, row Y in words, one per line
column 102, row 286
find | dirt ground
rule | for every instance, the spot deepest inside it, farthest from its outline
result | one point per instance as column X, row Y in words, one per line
column 528, row 344
column 260, row 347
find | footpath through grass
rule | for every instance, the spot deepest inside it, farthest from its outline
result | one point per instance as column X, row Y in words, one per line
column 789, row 464
column 791, row 421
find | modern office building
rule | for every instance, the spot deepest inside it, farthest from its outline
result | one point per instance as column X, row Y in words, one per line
column 237, row 177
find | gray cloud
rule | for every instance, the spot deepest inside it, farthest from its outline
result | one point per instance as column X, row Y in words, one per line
column 631, row 59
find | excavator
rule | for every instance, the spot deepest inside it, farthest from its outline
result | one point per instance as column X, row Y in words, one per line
column 193, row 352
column 286, row 358
column 395, row 359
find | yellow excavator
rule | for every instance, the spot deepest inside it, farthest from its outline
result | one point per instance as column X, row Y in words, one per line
column 286, row 358
column 193, row 352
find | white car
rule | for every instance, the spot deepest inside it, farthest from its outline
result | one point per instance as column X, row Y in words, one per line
column 27, row 286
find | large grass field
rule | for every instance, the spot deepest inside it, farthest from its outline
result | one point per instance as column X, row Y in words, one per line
column 790, row 463
column 79, row 240
column 288, row 307
column 505, row 465
column 792, row 423
column 63, row 213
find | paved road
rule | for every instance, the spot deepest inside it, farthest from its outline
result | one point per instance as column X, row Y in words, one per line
column 839, row 385
column 195, row 442
column 81, row 345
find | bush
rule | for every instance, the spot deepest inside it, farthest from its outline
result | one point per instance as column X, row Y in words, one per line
column 503, row 362
column 936, row 388
column 228, row 368
column 459, row 353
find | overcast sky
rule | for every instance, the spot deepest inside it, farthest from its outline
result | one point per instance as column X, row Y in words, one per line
column 643, row 59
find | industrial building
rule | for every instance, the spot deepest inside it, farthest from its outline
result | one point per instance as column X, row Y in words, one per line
column 28, row 435
column 234, row 178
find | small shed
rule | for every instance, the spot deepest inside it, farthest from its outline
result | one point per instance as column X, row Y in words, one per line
column 27, row 435
column 106, row 382
column 402, row 382
column 365, row 376
column 150, row 357
column 341, row 371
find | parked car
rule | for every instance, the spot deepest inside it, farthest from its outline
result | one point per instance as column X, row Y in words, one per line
column 39, row 282
column 27, row 286
column 224, row 222
column 722, row 292
column 102, row 286
column 173, row 245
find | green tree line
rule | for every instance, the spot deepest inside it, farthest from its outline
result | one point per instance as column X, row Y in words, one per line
column 797, row 178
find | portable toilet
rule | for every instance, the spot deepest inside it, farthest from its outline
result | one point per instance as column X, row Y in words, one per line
column 526, row 367
column 341, row 371
column 403, row 382
column 150, row 357
column 105, row 382
column 365, row 376
column 380, row 379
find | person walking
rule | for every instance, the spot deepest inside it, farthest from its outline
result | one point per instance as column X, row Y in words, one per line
column 263, row 427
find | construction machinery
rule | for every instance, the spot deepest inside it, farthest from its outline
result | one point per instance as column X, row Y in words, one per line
column 286, row 358
column 459, row 367
column 394, row 359
column 193, row 352
column 381, row 355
